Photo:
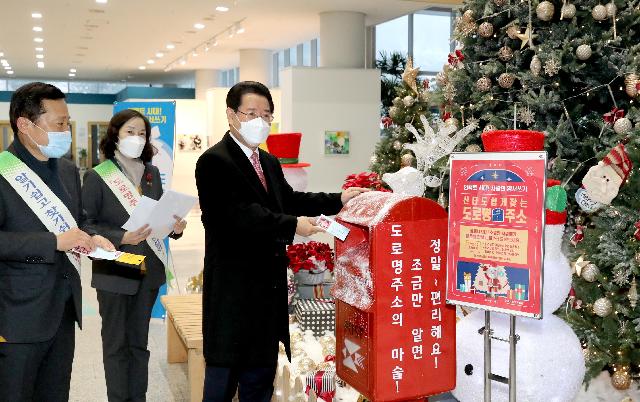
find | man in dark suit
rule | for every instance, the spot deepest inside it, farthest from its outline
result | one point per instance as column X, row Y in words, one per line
column 250, row 214
column 40, row 293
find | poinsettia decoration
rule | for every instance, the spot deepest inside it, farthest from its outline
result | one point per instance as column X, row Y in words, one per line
column 310, row 256
column 366, row 180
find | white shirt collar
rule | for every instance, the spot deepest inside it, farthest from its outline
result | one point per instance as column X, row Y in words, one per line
column 247, row 151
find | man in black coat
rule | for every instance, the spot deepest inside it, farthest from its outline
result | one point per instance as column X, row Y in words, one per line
column 40, row 293
column 250, row 213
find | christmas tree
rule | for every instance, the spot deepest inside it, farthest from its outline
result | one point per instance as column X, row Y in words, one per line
column 571, row 71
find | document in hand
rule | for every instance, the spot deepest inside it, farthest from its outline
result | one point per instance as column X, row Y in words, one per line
column 159, row 214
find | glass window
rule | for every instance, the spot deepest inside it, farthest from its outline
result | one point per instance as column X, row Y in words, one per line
column 431, row 35
column 293, row 56
column 306, row 54
column 3, row 85
column 393, row 36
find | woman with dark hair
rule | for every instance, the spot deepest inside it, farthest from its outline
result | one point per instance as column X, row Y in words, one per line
column 126, row 294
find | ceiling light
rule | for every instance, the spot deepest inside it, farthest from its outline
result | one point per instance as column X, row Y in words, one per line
column 10, row 72
column 198, row 26
column 215, row 43
column 7, row 67
column 169, row 68
column 37, row 29
column 207, row 46
column 239, row 28
column 159, row 54
column 36, row 15
column 142, row 68
column 72, row 75
column 230, row 32
column 171, row 46
column 183, row 62
column 194, row 54
column 39, row 56
column 4, row 61
column 101, row 1
column 222, row 9
column 38, row 40
column 150, row 61
column 39, row 49
column 72, row 70
column 1, row 54
column 41, row 64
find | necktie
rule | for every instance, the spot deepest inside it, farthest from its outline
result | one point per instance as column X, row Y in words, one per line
column 255, row 161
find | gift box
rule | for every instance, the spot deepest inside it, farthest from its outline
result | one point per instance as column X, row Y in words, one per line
column 321, row 291
column 323, row 383
column 317, row 315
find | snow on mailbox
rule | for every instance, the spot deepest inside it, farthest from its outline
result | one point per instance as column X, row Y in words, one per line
column 395, row 335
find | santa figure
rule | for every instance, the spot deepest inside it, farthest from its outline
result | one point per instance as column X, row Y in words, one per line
column 602, row 182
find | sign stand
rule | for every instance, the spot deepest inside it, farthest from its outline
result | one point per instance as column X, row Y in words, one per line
column 488, row 375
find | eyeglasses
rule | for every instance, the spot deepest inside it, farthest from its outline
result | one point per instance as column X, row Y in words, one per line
column 268, row 117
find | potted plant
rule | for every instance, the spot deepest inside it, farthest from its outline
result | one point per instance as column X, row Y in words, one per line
column 310, row 261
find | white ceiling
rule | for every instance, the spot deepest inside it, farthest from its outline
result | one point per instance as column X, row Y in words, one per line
column 109, row 41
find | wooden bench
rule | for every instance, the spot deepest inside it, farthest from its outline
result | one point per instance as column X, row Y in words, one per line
column 184, row 338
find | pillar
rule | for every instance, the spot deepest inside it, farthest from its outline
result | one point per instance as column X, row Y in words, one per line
column 342, row 39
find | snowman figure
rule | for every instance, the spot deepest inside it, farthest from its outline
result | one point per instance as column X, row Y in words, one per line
column 549, row 359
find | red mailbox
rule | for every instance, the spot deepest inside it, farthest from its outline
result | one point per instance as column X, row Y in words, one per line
column 395, row 334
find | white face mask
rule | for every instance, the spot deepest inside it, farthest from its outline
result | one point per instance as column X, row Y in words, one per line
column 131, row 147
column 255, row 131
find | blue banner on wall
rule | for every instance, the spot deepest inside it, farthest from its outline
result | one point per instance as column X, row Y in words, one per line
column 162, row 116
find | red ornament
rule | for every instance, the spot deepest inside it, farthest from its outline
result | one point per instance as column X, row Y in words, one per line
column 365, row 179
column 578, row 236
column 149, row 178
column 613, row 115
column 387, row 121
column 636, row 234
column 455, row 59
column 638, row 86
column 446, row 116
column 425, row 84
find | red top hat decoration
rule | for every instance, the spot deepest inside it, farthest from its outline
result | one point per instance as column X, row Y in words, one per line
column 513, row 140
column 286, row 147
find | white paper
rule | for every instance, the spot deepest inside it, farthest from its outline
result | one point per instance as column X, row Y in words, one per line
column 159, row 214
column 100, row 253
column 333, row 228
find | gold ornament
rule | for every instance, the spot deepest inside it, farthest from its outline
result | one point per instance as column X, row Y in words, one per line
column 637, row 258
column 483, row 84
column 397, row 101
column 410, row 74
column 545, row 10
column 524, row 37
column 599, row 12
column 621, row 380
column 296, row 337
column 499, row 3
column 465, row 27
column 622, row 126
column 535, row 66
column 590, row 273
column 327, row 340
column 406, row 160
column 583, row 52
column 505, row 53
column 298, row 351
column 551, row 67
column 633, row 294
column 441, row 79
column 489, row 127
column 473, row 148
column 611, row 9
column 579, row 265
column 468, row 15
column 452, row 122
column 513, row 32
column 374, row 159
column 630, row 82
column 602, row 307
column 485, row 29
column 329, row 349
column 505, row 80
column 408, row 101
column 526, row 116
column 306, row 365
column 449, row 92
column 393, row 112
column 195, row 283
column 397, row 145
column 567, row 11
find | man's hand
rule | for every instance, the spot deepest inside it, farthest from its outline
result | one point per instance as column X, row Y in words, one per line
column 352, row 192
column 306, row 226
column 180, row 225
column 101, row 242
column 73, row 238
column 134, row 238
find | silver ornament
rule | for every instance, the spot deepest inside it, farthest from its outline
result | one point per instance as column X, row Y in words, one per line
column 611, row 9
column 599, row 12
column 583, row 52
column 633, row 294
column 505, row 80
column 374, row 159
column 505, row 53
column 622, row 126
column 602, row 307
column 397, row 101
column 393, row 112
column 590, row 272
column 485, row 30
column 483, row 84
column 397, row 145
column 473, row 148
column 568, row 11
column 535, row 66
column 545, row 10
column 489, row 127
column 408, row 101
